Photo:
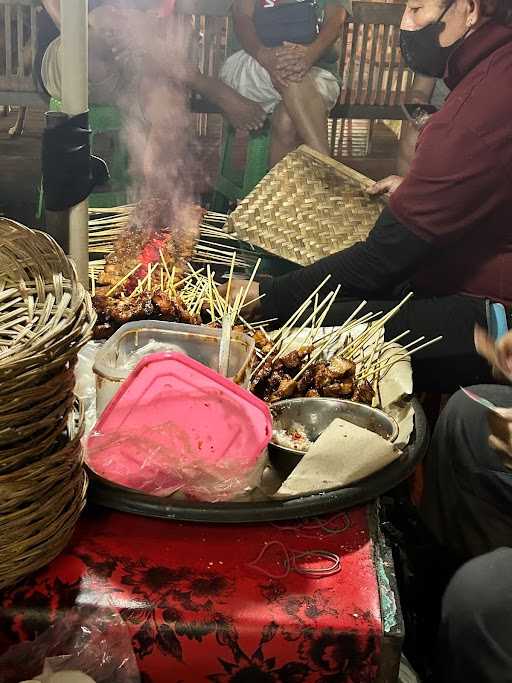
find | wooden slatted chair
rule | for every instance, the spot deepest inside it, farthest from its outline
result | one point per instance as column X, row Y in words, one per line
column 18, row 19
column 375, row 80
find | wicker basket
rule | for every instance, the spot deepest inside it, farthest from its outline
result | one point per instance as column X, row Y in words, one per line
column 307, row 207
column 44, row 311
column 40, row 504
column 46, row 316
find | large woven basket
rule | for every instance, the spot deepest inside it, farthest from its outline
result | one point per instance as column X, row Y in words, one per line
column 46, row 316
column 40, row 504
column 308, row 206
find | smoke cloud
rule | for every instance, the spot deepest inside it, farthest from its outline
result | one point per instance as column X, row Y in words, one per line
column 154, row 53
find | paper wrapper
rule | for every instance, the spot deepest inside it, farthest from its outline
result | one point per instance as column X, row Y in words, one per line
column 345, row 453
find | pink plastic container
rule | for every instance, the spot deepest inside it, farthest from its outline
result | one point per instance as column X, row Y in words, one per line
column 177, row 425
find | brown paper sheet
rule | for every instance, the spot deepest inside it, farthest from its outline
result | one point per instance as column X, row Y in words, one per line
column 394, row 397
column 344, row 453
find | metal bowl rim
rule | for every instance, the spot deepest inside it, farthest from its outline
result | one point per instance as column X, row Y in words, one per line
column 294, row 451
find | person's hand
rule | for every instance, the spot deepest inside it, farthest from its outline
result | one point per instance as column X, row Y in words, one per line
column 295, row 61
column 501, row 432
column 251, row 311
column 386, row 186
column 499, row 354
column 268, row 58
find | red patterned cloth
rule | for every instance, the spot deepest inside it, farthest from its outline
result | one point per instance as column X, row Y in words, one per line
column 198, row 612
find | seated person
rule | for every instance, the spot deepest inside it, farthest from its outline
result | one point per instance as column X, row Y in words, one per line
column 446, row 232
column 297, row 84
column 467, row 504
column 108, row 75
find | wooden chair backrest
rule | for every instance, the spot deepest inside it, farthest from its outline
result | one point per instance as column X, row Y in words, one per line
column 375, row 80
column 18, row 33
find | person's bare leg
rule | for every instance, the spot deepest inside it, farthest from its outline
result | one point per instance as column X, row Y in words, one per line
column 241, row 112
column 283, row 135
column 308, row 111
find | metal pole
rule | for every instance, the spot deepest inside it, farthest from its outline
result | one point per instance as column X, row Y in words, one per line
column 75, row 100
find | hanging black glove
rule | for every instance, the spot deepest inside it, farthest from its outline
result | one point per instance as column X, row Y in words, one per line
column 69, row 171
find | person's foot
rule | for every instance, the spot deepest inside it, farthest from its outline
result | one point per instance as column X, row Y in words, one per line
column 17, row 130
column 242, row 113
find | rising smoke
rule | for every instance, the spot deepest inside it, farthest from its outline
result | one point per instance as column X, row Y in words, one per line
column 154, row 54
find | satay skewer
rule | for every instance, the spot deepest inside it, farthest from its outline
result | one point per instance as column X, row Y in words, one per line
column 323, row 315
column 402, row 354
column 317, row 354
column 289, row 340
column 290, row 322
column 374, row 329
column 230, row 280
column 124, row 279
column 253, row 301
column 354, row 323
column 210, row 293
column 251, row 280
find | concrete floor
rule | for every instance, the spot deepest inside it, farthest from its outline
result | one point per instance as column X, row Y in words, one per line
column 20, row 168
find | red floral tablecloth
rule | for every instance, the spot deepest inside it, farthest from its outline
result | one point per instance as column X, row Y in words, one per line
column 198, row 611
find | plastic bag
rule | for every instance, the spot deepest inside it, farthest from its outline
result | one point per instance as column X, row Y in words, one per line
column 176, row 425
column 85, row 387
column 96, row 643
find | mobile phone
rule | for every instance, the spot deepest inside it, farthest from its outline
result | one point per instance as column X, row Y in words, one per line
column 418, row 114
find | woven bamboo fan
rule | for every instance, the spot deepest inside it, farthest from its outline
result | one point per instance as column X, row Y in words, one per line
column 308, row 206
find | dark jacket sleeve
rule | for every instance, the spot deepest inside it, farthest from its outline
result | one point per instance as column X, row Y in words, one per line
column 388, row 257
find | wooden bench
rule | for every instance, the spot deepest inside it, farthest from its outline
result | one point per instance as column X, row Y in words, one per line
column 18, row 20
column 375, row 80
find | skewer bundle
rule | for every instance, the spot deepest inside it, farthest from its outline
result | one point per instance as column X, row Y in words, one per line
column 106, row 226
column 299, row 360
column 166, row 292
column 197, row 300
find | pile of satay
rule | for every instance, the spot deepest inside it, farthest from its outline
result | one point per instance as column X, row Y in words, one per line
column 149, row 275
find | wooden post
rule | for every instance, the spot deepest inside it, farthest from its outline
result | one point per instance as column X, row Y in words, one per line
column 75, row 100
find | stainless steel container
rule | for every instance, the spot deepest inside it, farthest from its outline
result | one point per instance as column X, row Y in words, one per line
column 313, row 416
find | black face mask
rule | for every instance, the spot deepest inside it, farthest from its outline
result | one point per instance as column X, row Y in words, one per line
column 421, row 49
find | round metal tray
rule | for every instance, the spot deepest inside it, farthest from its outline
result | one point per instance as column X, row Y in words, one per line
column 108, row 495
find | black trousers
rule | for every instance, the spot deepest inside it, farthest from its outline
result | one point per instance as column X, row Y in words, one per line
column 475, row 640
column 467, row 504
column 442, row 367
column 467, row 501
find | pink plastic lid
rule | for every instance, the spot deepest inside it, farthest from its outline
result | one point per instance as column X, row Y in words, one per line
column 171, row 417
